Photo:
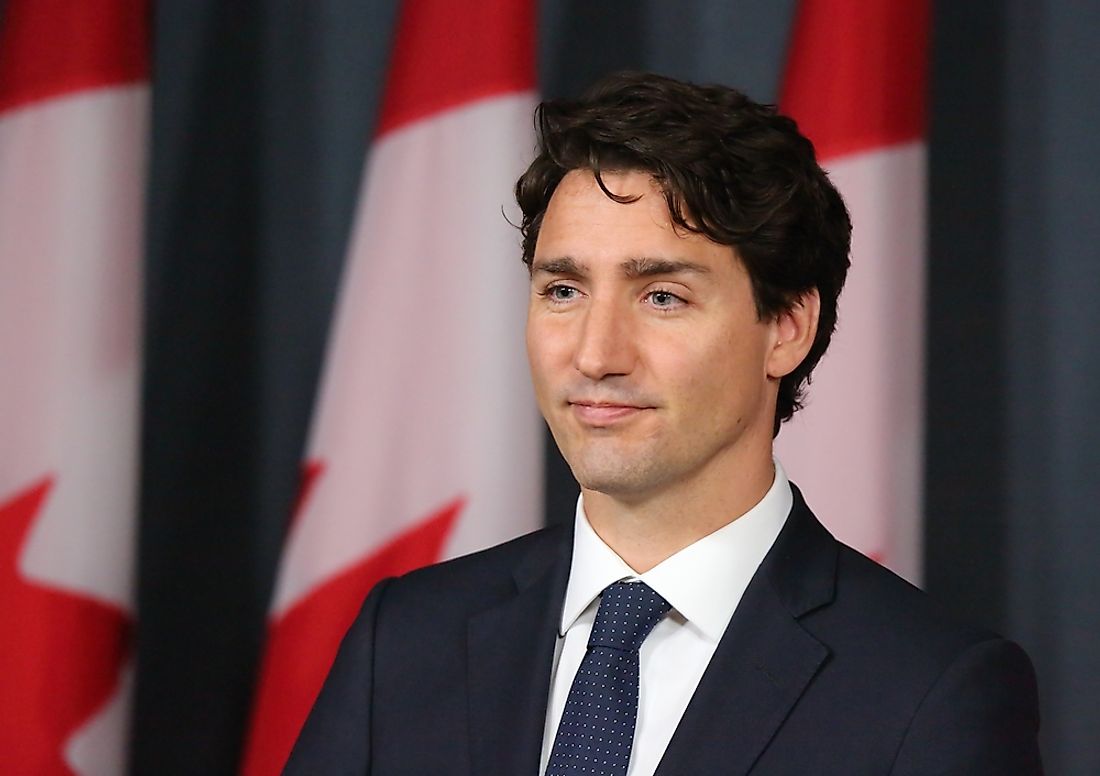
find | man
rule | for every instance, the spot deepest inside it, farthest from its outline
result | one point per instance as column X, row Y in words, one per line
column 686, row 253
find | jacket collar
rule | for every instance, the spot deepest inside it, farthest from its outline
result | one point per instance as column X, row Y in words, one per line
column 765, row 660
column 511, row 656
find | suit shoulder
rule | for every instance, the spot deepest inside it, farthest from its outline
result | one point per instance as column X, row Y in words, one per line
column 853, row 604
column 478, row 576
column 896, row 650
column 904, row 621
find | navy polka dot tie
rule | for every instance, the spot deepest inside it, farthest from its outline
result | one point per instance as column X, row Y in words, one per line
column 597, row 726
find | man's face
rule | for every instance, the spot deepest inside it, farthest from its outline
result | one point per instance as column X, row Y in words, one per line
column 648, row 360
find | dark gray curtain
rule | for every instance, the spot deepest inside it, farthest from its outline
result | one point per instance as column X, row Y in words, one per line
column 262, row 114
column 1014, row 371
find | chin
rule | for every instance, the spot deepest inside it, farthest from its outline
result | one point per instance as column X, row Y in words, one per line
column 616, row 477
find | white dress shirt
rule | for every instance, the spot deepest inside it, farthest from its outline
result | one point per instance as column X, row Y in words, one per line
column 703, row 582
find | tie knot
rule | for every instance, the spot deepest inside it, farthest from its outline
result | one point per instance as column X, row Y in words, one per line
column 628, row 611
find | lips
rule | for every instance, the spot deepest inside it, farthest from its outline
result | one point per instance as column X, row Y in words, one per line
column 602, row 414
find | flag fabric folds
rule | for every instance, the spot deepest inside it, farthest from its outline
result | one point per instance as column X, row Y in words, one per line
column 856, row 83
column 426, row 441
column 74, row 101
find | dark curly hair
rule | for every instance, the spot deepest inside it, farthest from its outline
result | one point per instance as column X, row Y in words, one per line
column 731, row 169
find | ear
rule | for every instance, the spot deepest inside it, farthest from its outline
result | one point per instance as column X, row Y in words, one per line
column 793, row 332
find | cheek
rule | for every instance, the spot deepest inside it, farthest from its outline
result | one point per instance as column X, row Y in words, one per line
column 713, row 374
column 547, row 353
column 691, row 373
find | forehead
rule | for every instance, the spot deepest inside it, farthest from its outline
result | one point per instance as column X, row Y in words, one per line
column 579, row 202
column 582, row 221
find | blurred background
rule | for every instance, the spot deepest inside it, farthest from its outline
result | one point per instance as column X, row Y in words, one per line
column 261, row 331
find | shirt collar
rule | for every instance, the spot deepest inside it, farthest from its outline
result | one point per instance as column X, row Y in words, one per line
column 704, row 581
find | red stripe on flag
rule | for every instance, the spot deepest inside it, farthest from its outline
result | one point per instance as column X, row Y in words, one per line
column 857, row 73
column 303, row 642
column 60, row 654
column 311, row 472
column 447, row 54
column 49, row 48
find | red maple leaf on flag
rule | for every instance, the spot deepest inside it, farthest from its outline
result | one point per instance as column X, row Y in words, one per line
column 60, row 655
column 303, row 642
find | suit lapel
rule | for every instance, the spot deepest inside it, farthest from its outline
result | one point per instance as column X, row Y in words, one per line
column 765, row 660
column 511, row 654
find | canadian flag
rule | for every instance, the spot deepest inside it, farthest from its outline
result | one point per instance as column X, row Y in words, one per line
column 426, row 443
column 856, row 83
column 74, row 103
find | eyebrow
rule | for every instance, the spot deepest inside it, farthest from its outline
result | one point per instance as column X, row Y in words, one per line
column 632, row 268
column 563, row 265
column 647, row 267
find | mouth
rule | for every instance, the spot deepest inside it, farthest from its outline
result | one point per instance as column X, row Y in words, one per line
column 604, row 414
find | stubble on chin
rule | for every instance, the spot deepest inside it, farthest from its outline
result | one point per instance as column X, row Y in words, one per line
column 607, row 469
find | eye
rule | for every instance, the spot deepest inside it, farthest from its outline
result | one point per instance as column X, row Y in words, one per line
column 559, row 292
column 664, row 300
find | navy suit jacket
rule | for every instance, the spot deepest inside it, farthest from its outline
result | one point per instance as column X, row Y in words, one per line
column 830, row 665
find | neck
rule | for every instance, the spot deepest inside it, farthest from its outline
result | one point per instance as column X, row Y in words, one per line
column 645, row 530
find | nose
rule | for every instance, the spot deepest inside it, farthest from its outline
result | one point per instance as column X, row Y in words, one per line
column 606, row 346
